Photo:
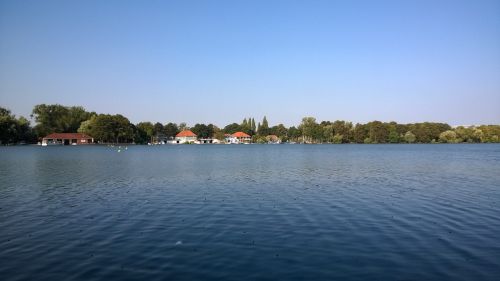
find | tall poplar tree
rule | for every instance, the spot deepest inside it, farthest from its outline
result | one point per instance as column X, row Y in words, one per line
column 264, row 127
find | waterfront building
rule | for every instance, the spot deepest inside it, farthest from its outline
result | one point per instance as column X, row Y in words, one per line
column 67, row 139
column 238, row 137
column 186, row 136
column 207, row 140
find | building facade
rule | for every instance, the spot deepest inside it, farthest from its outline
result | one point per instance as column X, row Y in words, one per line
column 67, row 139
column 237, row 138
column 185, row 136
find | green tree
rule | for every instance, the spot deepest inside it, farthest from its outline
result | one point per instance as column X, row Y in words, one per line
column 394, row 136
column 110, row 128
column 337, row 138
column 170, row 130
column 246, row 126
column 426, row 132
column 4, row 112
column 76, row 115
column 14, row 130
column 85, row 126
column 465, row 133
column 203, row 131
column 158, row 129
column 294, row 134
column 477, row 135
column 264, row 127
column 360, row 133
column 55, row 118
column 328, row 132
column 183, row 126
column 490, row 133
column 8, row 127
column 232, row 128
column 311, row 131
column 279, row 130
column 377, row 132
column 218, row 133
column 410, row 137
column 448, row 137
column 343, row 129
column 259, row 139
column 145, row 131
column 24, row 130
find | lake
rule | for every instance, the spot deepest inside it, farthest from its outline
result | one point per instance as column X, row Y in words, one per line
column 250, row 212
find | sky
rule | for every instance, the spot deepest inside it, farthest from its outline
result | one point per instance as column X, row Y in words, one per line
column 221, row 61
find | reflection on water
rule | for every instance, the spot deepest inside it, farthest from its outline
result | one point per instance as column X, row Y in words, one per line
column 218, row 212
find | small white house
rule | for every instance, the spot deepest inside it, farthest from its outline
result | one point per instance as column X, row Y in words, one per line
column 238, row 137
column 230, row 139
column 185, row 136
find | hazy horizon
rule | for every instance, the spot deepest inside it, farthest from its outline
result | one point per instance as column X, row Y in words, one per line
column 221, row 61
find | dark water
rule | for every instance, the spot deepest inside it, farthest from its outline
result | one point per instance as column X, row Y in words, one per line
column 248, row 212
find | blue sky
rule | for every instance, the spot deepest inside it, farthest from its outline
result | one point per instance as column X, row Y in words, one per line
column 220, row 61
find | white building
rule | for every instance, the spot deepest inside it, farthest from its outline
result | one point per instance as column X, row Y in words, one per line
column 238, row 137
column 185, row 136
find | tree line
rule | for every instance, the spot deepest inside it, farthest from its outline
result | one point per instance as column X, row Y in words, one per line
column 106, row 128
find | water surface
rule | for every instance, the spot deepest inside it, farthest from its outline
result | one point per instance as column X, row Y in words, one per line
column 250, row 212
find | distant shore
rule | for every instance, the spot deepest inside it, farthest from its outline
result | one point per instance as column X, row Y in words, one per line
column 106, row 128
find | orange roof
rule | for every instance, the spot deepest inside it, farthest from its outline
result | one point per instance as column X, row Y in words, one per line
column 67, row 136
column 240, row 135
column 186, row 133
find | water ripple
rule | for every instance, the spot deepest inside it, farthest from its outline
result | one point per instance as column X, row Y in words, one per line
column 349, row 212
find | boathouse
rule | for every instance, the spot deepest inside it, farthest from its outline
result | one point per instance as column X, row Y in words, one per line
column 67, row 139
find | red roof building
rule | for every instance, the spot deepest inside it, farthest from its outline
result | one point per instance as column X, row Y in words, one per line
column 67, row 139
column 185, row 133
column 241, row 135
column 185, row 136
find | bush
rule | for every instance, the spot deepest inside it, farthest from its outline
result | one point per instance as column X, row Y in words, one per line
column 448, row 137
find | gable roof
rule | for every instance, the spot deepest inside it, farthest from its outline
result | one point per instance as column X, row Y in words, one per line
column 240, row 135
column 186, row 133
column 67, row 136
